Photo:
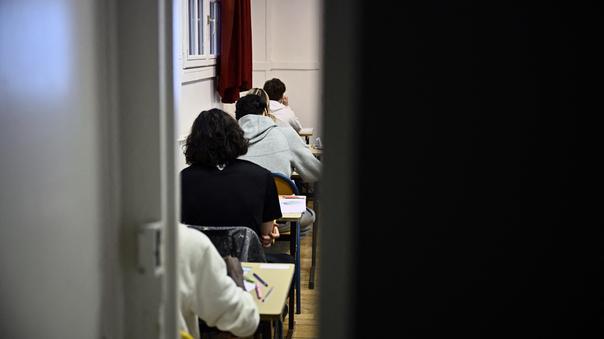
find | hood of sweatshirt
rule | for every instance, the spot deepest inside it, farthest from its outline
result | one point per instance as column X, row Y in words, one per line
column 256, row 127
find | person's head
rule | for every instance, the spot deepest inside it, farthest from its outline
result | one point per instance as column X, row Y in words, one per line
column 274, row 88
column 251, row 104
column 259, row 92
column 215, row 139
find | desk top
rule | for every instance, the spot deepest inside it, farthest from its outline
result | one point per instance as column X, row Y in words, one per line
column 291, row 217
column 308, row 131
column 279, row 278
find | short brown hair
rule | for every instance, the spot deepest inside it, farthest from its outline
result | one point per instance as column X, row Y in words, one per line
column 274, row 88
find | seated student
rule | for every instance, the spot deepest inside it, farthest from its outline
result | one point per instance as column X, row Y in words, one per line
column 217, row 189
column 279, row 104
column 278, row 149
column 206, row 291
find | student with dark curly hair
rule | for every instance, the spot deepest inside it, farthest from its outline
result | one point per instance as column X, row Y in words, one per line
column 217, row 189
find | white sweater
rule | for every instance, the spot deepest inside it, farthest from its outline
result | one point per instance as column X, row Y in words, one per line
column 278, row 149
column 285, row 115
column 205, row 289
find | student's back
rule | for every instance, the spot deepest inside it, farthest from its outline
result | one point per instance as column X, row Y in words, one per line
column 269, row 147
column 279, row 104
column 278, row 149
column 220, row 190
column 233, row 196
column 206, row 291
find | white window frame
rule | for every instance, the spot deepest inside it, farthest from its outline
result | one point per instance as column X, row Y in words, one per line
column 195, row 59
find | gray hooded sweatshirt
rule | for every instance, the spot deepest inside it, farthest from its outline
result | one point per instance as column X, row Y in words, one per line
column 278, row 149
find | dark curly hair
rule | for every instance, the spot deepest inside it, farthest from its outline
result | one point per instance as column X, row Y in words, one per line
column 274, row 88
column 250, row 104
column 215, row 139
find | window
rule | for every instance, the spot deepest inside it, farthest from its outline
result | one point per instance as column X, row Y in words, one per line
column 201, row 38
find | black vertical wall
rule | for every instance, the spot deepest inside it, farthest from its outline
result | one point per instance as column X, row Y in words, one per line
column 489, row 223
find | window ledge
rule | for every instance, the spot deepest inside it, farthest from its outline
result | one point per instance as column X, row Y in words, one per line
column 197, row 74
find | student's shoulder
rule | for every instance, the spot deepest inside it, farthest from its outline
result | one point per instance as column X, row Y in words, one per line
column 290, row 134
column 193, row 240
column 288, row 131
column 186, row 170
column 252, row 168
column 193, row 169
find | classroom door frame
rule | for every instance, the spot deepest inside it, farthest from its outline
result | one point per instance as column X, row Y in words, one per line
column 143, row 57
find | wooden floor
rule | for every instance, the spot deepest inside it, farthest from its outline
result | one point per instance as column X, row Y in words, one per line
column 307, row 322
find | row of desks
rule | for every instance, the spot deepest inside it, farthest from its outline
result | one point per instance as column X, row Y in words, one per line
column 280, row 276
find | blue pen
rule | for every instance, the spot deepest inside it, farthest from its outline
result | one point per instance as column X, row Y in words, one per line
column 260, row 279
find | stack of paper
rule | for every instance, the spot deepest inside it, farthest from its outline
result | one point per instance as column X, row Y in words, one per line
column 292, row 204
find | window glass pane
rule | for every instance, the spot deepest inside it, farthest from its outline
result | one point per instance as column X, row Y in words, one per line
column 192, row 47
column 214, row 27
column 200, row 26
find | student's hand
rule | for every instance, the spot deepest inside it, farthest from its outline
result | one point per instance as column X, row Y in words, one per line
column 285, row 100
column 275, row 233
column 266, row 240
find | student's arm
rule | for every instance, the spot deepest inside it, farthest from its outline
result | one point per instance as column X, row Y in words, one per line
column 272, row 211
column 216, row 298
column 294, row 121
column 303, row 161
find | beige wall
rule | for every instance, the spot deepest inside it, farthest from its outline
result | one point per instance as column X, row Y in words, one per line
column 286, row 38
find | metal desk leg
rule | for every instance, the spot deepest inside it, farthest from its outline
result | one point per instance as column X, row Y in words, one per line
column 298, row 269
column 264, row 330
column 278, row 328
column 315, row 234
column 291, row 314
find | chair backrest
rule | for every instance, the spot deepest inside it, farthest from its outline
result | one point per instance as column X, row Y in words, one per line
column 237, row 241
column 285, row 185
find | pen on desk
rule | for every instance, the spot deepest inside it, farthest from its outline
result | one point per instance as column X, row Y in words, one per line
column 267, row 293
column 258, row 292
column 260, row 279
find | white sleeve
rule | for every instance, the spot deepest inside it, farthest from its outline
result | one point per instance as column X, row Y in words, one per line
column 294, row 121
column 218, row 301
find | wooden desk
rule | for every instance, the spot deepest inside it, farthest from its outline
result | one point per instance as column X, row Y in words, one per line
column 290, row 217
column 316, row 152
column 294, row 248
column 279, row 277
column 306, row 133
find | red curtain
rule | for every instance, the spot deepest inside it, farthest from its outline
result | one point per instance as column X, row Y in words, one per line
column 235, row 60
